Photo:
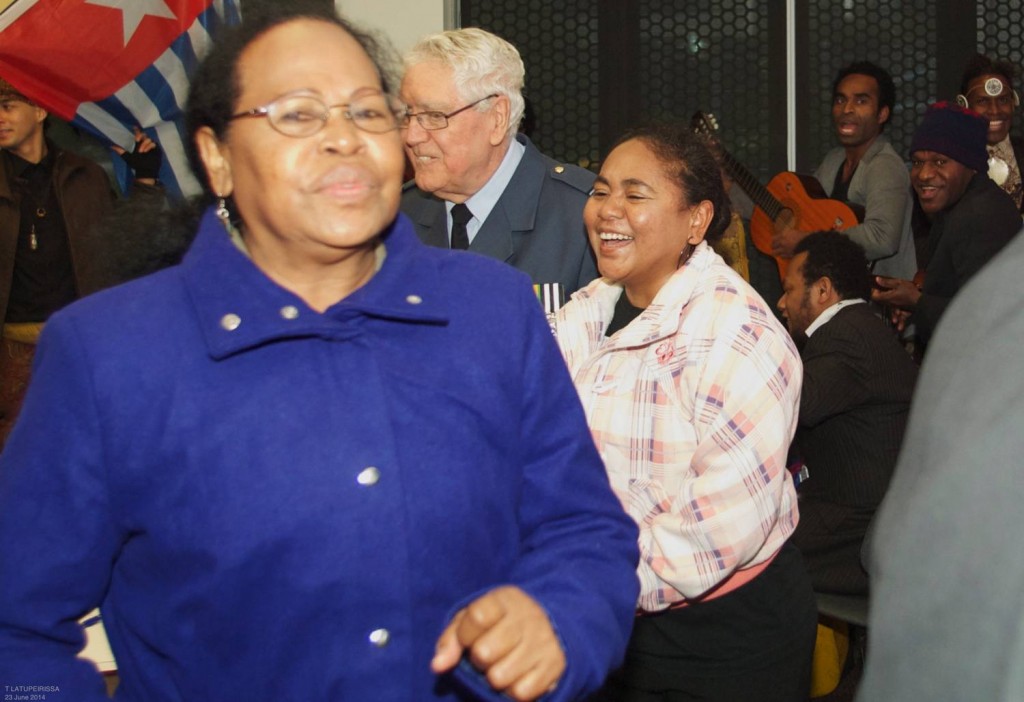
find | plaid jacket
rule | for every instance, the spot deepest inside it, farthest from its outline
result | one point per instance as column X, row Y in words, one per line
column 693, row 406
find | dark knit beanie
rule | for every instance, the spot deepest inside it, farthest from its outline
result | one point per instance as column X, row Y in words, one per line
column 955, row 132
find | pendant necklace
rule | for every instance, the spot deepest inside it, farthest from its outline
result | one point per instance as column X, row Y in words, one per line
column 33, row 241
column 25, row 187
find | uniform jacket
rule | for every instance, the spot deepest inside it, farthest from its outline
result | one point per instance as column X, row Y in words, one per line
column 858, row 382
column 85, row 197
column 275, row 504
column 881, row 184
column 536, row 226
column 692, row 405
column 963, row 239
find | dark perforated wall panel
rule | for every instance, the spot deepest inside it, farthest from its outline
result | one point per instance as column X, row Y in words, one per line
column 716, row 57
column 595, row 67
column 900, row 36
column 1000, row 26
column 558, row 43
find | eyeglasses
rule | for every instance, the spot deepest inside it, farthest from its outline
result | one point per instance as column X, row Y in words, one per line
column 432, row 120
column 305, row 115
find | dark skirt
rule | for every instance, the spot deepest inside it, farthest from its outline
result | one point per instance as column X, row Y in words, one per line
column 754, row 644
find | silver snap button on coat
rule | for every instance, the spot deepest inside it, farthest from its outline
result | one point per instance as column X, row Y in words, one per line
column 289, row 312
column 414, row 299
column 380, row 637
column 368, row 476
column 230, row 322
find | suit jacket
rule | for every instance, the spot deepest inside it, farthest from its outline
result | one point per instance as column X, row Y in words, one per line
column 536, row 226
column 858, row 382
column 881, row 185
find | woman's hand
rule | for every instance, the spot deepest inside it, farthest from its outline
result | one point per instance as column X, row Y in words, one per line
column 510, row 640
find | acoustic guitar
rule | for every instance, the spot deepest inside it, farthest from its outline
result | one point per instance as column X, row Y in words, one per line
column 788, row 199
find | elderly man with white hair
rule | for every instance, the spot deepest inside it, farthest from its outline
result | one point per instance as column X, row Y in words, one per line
column 479, row 185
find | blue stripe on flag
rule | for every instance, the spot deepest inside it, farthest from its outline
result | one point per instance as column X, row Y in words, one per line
column 153, row 83
column 186, row 53
column 153, row 102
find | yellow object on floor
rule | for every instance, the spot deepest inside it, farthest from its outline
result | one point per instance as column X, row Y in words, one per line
column 830, row 649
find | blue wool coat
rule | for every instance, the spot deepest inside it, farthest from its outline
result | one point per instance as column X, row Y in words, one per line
column 275, row 504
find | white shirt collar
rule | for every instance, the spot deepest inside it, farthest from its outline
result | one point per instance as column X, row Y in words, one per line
column 831, row 312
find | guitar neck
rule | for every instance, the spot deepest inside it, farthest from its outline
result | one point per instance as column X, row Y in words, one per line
column 752, row 186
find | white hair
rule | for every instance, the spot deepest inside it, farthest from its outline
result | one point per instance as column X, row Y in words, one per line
column 482, row 64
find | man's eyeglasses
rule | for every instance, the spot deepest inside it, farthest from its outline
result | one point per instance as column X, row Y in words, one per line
column 305, row 115
column 432, row 120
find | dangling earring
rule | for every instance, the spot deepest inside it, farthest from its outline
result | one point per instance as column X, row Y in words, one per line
column 684, row 255
column 222, row 213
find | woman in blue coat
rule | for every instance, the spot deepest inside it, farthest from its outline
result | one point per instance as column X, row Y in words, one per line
column 317, row 460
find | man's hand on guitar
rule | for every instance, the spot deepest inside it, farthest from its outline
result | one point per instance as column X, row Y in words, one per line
column 895, row 292
column 785, row 239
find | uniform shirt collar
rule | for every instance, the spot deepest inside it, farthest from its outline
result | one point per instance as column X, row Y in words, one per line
column 485, row 199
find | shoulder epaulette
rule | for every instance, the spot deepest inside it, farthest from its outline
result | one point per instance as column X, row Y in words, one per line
column 579, row 178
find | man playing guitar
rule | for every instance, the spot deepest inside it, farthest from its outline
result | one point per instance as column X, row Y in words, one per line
column 864, row 170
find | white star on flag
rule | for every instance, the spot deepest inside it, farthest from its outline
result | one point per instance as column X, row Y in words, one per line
column 133, row 11
column 48, row 52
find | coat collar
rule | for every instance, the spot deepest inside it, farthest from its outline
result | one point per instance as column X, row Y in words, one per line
column 6, row 178
column 240, row 308
column 661, row 318
column 880, row 142
column 521, row 197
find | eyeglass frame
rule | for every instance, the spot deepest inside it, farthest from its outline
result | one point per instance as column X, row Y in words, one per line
column 406, row 119
column 264, row 111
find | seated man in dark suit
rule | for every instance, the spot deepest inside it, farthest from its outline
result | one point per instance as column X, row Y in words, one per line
column 478, row 184
column 858, row 381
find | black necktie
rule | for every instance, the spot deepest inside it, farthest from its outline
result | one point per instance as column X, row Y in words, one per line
column 460, row 237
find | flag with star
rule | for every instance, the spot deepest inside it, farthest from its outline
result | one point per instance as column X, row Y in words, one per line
column 108, row 65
